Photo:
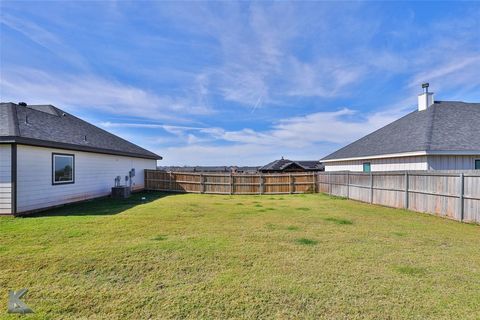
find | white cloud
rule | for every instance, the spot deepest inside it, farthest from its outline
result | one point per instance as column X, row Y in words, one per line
column 307, row 137
column 94, row 93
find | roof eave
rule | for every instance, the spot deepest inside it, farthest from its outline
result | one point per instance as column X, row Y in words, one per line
column 67, row 146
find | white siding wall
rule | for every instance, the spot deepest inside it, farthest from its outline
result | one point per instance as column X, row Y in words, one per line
column 5, row 179
column 452, row 162
column 388, row 164
column 94, row 176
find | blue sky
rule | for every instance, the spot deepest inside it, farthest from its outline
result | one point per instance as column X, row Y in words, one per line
column 211, row 83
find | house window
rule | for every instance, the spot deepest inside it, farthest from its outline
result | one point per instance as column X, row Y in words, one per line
column 63, row 168
column 367, row 167
column 477, row 164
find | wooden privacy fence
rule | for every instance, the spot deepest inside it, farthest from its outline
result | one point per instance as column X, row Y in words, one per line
column 455, row 195
column 230, row 183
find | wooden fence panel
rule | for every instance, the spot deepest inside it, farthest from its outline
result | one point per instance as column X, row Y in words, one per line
column 359, row 187
column 277, row 184
column 437, row 194
column 218, row 183
column 181, row 182
column 323, row 184
column 247, row 184
column 303, row 183
column 472, row 199
column 338, row 185
column 455, row 195
column 389, row 189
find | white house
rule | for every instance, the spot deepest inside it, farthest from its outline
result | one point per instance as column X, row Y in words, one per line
column 440, row 135
column 49, row 157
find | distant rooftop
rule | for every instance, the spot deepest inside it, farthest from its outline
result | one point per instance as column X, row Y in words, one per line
column 281, row 164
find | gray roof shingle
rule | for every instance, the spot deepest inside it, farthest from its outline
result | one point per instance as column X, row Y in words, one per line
column 46, row 125
column 445, row 126
column 281, row 164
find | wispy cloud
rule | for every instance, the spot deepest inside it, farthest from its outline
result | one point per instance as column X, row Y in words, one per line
column 97, row 94
column 44, row 38
column 292, row 136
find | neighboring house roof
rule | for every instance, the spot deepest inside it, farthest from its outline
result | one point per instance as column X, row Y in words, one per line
column 446, row 126
column 48, row 126
column 247, row 169
column 282, row 164
column 207, row 168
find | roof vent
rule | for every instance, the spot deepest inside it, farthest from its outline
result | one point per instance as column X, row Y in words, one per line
column 425, row 99
column 23, row 104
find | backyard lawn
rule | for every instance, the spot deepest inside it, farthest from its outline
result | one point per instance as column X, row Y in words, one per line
column 208, row 256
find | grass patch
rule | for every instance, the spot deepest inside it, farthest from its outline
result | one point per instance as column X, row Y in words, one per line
column 304, row 209
column 411, row 271
column 165, row 258
column 337, row 197
column 338, row 221
column 306, row 241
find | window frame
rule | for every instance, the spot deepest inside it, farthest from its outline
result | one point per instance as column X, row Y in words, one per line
column 369, row 167
column 475, row 163
column 55, row 183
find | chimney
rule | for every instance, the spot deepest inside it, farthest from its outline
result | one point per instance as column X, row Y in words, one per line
column 425, row 99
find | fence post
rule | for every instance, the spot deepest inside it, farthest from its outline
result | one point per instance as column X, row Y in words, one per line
column 291, row 183
column 170, row 181
column 231, row 183
column 371, row 187
column 202, row 183
column 461, row 193
column 348, row 184
column 262, row 184
column 406, row 190
column 330, row 183
column 145, row 179
column 314, row 178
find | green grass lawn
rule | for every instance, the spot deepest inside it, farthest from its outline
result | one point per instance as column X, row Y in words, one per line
column 206, row 256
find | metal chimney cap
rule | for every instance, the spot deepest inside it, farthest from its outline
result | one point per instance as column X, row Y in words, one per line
column 425, row 85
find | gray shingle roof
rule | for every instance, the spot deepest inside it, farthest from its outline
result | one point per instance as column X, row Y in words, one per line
column 281, row 164
column 445, row 126
column 46, row 125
